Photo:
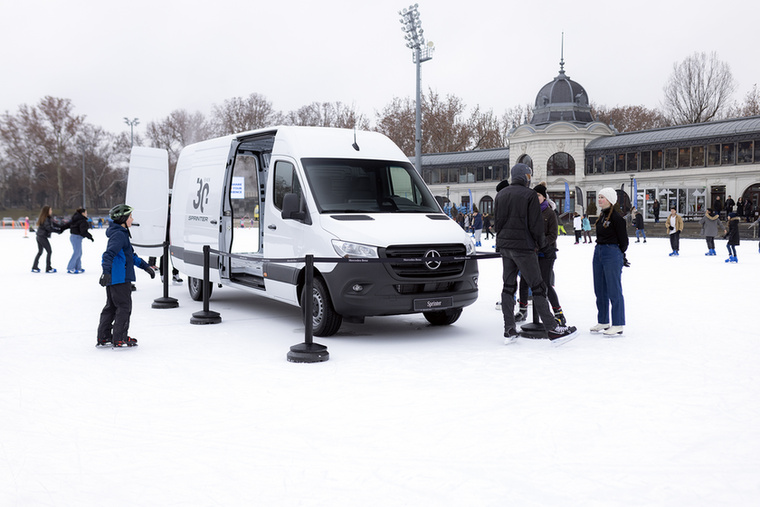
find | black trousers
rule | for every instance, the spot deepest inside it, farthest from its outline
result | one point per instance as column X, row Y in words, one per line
column 546, row 265
column 526, row 263
column 114, row 319
column 42, row 244
column 675, row 240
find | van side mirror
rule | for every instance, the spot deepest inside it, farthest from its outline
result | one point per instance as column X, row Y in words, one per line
column 291, row 207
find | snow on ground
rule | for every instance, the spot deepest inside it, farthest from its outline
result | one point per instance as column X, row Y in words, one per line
column 402, row 414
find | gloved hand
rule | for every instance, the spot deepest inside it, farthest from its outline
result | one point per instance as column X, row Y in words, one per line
column 150, row 271
column 625, row 262
column 91, row 239
column 105, row 279
column 670, row 227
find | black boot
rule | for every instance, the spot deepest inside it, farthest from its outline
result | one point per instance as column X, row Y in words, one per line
column 522, row 313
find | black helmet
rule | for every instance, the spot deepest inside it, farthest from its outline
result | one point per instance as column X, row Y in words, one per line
column 120, row 213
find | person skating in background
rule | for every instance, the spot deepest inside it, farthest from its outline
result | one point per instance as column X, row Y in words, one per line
column 656, row 211
column 577, row 227
column 756, row 223
column 487, row 225
column 586, row 229
column 79, row 228
column 477, row 225
column 519, row 235
column 608, row 262
column 119, row 261
column 638, row 222
column 733, row 237
column 710, row 223
column 45, row 227
column 674, row 226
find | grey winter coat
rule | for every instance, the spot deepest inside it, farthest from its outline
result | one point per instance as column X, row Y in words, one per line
column 710, row 224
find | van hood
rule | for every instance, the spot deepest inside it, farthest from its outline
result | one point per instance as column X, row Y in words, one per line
column 384, row 229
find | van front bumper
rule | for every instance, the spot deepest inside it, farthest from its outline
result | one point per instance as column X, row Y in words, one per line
column 363, row 290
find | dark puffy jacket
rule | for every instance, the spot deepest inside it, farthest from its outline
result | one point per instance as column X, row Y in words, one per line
column 120, row 259
column 47, row 228
column 80, row 226
column 517, row 219
column 551, row 231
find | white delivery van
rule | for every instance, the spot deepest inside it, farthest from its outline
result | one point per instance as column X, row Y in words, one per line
column 285, row 192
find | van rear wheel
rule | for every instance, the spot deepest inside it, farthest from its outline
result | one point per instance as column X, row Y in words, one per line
column 326, row 321
column 443, row 317
column 195, row 287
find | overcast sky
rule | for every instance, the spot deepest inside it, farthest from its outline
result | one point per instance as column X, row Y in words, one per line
column 146, row 58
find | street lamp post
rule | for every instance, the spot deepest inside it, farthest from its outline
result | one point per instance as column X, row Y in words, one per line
column 132, row 123
column 415, row 40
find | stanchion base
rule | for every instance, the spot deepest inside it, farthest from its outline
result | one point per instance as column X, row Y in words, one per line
column 308, row 353
column 533, row 330
column 208, row 317
column 166, row 302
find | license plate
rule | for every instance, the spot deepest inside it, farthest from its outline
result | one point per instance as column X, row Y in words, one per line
column 433, row 304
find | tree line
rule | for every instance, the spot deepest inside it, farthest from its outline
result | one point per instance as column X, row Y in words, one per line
column 44, row 147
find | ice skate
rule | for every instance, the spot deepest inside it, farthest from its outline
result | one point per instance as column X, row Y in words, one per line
column 613, row 332
column 599, row 328
column 511, row 336
column 522, row 313
column 562, row 334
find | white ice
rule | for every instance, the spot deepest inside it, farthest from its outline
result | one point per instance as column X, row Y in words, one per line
column 402, row 414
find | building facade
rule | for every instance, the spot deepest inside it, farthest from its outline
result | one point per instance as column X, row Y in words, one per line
column 686, row 166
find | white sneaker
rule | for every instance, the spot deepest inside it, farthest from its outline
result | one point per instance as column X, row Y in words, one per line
column 613, row 332
column 599, row 328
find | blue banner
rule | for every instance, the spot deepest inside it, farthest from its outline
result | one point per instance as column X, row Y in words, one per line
column 634, row 197
column 470, row 199
column 567, row 198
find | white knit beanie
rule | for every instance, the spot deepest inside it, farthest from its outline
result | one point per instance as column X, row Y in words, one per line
column 609, row 193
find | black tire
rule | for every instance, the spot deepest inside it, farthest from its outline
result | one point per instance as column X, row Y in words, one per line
column 443, row 317
column 326, row 320
column 195, row 287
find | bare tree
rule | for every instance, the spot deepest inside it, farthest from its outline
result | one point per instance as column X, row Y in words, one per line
column 241, row 114
column 443, row 129
column 698, row 89
column 514, row 117
column 176, row 131
column 396, row 121
column 750, row 106
column 629, row 118
column 327, row 114
column 485, row 130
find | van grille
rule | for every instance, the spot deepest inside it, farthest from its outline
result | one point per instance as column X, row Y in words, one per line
column 429, row 269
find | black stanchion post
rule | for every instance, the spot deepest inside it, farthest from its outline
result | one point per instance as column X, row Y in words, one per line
column 535, row 329
column 206, row 316
column 165, row 301
column 308, row 352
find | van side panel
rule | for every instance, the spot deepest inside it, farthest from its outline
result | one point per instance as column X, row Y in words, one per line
column 197, row 205
column 148, row 194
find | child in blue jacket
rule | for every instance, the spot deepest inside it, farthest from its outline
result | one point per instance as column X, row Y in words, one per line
column 119, row 261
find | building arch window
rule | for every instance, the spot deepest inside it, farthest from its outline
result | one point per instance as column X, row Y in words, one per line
column 486, row 205
column 560, row 164
column 525, row 159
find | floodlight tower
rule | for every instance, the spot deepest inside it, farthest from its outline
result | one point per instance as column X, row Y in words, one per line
column 415, row 40
column 132, row 123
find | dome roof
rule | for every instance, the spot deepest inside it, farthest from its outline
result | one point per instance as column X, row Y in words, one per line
column 562, row 100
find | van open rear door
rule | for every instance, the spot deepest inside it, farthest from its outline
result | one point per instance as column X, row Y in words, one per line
column 148, row 194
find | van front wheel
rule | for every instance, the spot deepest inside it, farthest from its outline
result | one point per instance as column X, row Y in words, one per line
column 195, row 287
column 325, row 320
column 443, row 317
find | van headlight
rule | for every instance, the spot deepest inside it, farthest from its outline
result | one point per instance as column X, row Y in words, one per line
column 470, row 246
column 354, row 250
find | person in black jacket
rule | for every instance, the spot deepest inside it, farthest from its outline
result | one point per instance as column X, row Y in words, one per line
column 79, row 228
column 519, row 230
column 609, row 259
column 638, row 222
column 45, row 227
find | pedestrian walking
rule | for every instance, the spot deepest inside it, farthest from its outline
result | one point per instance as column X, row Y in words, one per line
column 638, row 222
column 587, row 229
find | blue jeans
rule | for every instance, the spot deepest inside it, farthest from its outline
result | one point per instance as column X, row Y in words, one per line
column 642, row 233
column 608, row 267
column 76, row 258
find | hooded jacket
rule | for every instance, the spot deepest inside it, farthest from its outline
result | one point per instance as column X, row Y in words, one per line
column 517, row 214
column 120, row 259
column 710, row 224
column 80, row 226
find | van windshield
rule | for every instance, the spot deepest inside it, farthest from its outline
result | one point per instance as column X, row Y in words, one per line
column 367, row 186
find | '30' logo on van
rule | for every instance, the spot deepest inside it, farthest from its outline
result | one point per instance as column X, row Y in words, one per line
column 202, row 195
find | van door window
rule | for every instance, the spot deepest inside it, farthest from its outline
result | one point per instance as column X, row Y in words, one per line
column 285, row 182
column 244, row 199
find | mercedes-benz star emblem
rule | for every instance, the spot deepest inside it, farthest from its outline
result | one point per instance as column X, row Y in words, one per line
column 431, row 259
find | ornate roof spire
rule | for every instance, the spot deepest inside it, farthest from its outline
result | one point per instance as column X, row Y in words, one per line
column 562, row 56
